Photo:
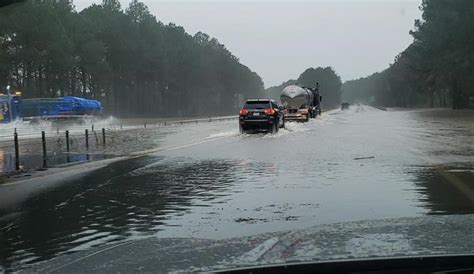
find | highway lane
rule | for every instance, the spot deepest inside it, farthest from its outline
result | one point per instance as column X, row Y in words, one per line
column 208, row 181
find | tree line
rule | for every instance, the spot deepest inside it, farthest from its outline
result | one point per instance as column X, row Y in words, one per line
column 329, row 85
column 436, row 70
column 133, row 63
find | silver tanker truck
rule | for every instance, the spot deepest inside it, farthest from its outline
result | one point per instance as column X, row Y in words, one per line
column 301, row 103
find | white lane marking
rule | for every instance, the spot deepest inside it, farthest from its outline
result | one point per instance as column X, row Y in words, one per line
column 450, row 177
column 154, row 150
column 100, row 164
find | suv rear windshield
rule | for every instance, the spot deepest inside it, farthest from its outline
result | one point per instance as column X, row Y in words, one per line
column 257, row 105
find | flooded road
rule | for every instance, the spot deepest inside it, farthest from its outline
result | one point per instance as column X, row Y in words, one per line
column 208, row 181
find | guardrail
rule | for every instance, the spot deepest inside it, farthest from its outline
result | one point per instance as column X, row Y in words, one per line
column 43, row 147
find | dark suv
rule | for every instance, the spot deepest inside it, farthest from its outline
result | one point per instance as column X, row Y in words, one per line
column 261, row 114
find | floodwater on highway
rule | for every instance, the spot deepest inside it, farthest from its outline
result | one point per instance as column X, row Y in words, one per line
column 133, row 132
column 207, row 181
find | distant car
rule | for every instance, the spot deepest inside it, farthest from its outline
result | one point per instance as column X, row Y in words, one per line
column 345, row 106
column 261, row 115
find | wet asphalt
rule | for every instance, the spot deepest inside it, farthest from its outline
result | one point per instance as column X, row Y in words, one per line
column 208, row 181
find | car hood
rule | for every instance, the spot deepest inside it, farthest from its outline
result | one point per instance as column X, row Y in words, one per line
column 428, row 235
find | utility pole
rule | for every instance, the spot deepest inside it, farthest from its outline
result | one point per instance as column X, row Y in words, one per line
column 9, row 104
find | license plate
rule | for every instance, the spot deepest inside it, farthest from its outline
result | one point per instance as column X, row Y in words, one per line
column 256, row 114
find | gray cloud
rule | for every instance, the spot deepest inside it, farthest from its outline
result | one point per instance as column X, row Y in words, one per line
column 280, row 39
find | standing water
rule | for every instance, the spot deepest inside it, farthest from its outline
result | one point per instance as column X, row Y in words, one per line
column 207, row 181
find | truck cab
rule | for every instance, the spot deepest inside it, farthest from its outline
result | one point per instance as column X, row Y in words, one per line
column 10, row 108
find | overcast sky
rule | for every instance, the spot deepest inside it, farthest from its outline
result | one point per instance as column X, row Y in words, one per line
column 279, row 40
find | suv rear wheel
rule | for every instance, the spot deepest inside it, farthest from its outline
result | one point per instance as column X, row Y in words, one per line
column 241, row 129
column 282, row 123
column 274, row 128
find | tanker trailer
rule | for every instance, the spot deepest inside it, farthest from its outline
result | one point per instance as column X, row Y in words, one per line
column 298, row 103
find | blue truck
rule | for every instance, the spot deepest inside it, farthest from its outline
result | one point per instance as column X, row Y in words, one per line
column 61, row 108
column 82, row 106
column 11, row 108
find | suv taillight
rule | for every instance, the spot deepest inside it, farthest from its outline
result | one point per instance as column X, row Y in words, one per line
column 269, row 111
column 243, row 112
